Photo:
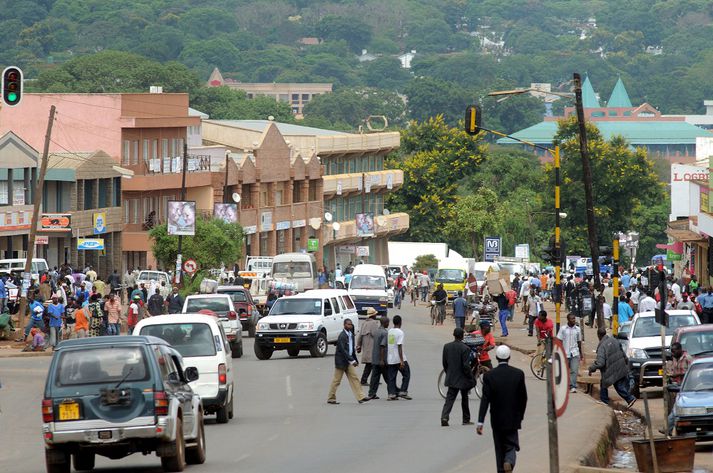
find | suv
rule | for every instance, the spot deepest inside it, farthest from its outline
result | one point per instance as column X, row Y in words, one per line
column 306, row 321
column 244, row 305
column 119, row 395
column 222, row 306
column 643, row 347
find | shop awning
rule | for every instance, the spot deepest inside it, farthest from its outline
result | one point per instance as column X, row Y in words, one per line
column 683, row 235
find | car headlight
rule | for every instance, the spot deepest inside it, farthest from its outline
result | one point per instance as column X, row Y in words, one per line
column 383, row 299
column 637, row 353
column 263, row 326
column 691, row 411
column 305, row 326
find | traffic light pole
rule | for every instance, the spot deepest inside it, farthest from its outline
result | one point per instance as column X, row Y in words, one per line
column 179, row 256
column 558, row 246
column 615, row 283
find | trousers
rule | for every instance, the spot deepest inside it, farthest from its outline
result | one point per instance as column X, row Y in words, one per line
column 507, row 444
column 460, row 322
column 450, row 400
column 621, row 387
column 393, row 370
column 377, row 371
column 353, row 379
column 504, row 314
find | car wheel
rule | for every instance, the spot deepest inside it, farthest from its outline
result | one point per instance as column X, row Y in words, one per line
column 196, row 455
column 236, row 350
column 231, row 409
column 177, row 460
column 251, row 330
column 262, row 353
column 319, row 349
column 57, row 461
column 84, row 461
column 293, row 351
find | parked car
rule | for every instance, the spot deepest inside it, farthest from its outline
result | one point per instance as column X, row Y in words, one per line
column 201, row 340
column 118, row 395
column 146, row 276
column 222, row 306
column 244, row 306
column 307, row 321
column 644, row 345
column 696, row 340
column 693, row 409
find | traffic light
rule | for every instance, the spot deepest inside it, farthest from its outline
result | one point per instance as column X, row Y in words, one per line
column 606, row 255
column 551, row 255
column 472, row 120
column 12, row 85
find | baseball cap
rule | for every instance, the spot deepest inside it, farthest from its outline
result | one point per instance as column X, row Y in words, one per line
column 502, row 352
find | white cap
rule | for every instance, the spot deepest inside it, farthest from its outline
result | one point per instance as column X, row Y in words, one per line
column 502, row 352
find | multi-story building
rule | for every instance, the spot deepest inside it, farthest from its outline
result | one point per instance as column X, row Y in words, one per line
column 354, row 182
column 295, row 94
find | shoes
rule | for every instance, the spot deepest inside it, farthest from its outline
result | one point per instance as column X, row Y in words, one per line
column 507, row 466
column 405, row 396
column 392, row 398
column 363, row 400
column 332, row 401
column 573, row 390
column 373, row 397
column 444, row 422
column 529, row 334
column 468, row 423
column 631, row 403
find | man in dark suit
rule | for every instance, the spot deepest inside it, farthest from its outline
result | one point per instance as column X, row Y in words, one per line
column 505, row 393
column 459, row 377
column 345, row 362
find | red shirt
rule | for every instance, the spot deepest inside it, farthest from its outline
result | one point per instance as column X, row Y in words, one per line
column 544, row 328
column 489, row 342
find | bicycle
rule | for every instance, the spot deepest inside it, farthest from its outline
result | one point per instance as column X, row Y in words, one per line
column 438, row 312
column 477, row 369
column 538, row 363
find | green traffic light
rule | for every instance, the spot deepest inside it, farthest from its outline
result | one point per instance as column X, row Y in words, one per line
column 11, row 97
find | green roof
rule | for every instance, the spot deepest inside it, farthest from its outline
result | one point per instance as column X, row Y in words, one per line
column 635, row 132
column 589, row 98
column 619, row 97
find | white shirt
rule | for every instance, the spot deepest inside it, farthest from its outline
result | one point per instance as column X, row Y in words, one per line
column 535, row 305
column 570, row 336
column 677, row 291
column 647, row 304
column 606, row 310
column 525, row 288
column 395, row 338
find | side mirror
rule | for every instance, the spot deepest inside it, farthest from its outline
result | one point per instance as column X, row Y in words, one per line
column 191, row 374
column 674, row 388
column 327, row 311
column 173, row 378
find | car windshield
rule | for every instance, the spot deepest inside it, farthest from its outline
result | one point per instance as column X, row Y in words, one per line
column 367, row 282
column 192, row 339
column 480, row 275
column 149, row 276
column 300, row 269
column 699, row 378
column 236, row 294
column 450, row 275
column 101, row 365
column 512, row 268
column 697, row 342
column 216, row 304
column 648, row 327
column 297, row 306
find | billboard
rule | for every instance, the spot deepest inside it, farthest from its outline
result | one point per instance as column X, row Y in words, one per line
column 56, row 222
column 90, row 243
column 99, row 222
column 493, row 248
column 181, row 217
column 365, row 224
column 226, row 212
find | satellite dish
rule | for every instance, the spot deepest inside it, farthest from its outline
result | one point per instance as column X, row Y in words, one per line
column 380, row 220
column 236, row 197
column 328, row 216
column 386, row 212
column 336, row 226
column 315, row 223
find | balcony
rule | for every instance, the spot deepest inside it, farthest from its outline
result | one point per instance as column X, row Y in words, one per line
column 351, row 183
column 386, row 225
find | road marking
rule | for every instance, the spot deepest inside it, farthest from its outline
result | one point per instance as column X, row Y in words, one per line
column 242, row 457
column 288, row 385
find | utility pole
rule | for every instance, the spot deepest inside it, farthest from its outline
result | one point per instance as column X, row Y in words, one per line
column 226, row 186
column 588, row 193
column 27, row 276
column 558, row 242
column 615, row 285
column 179, row 257
column 551, row 414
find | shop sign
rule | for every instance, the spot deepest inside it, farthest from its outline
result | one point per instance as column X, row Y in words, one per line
column 56, row 222
column 312, row 245
column 90, row 243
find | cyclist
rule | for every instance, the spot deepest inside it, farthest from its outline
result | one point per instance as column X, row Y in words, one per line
column 489, row 344
column 544, row 328
column 441, row 297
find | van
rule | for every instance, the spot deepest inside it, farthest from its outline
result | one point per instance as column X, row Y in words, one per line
column 146, row 276
column 453, row 274
column 297, row 268
column 262, row 264
column 368, row 288
column 39, row 266
column 202, row 343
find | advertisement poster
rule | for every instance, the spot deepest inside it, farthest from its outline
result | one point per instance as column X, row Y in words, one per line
column 99, row 222
column 365, row 224
column 181, row 217
column 56, row 222
column 226, row 212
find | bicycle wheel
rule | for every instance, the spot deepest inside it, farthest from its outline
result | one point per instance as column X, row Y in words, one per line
column 537, row 366
column 479, row 380
column 442, row 389
column 433, row 314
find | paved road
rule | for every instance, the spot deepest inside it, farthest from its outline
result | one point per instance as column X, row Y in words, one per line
column 284, row 424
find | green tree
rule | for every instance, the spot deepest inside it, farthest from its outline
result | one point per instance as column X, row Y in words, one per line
column 425, row 262
column 352, row 30
column 386, row 73
column 429, row 97
column 214, row 243
column 350, row 107
column 473, row 217
column 224, row 103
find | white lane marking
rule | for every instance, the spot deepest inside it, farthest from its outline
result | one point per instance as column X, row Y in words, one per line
column 288, row 385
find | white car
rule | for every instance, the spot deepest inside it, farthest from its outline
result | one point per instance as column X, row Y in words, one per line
column 222, row 305
column 368, row 288
column 146, row 276
column 201, row 341
column 306, row 321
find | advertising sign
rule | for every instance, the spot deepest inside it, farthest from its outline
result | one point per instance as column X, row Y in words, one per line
column 365, row 224
column 42, row 240
column 346, row 249
column 99, row 222
column 56, row 222
column 362, row 251
column 226, row 212
column 181, row 217
column 522, row 251
column 90, row 243
column 493, row 248
column 283, row 225
column 266, row 221
column 312, row 244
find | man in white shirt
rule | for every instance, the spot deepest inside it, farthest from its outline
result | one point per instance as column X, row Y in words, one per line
column 676, row 288
column 571, row 337
column 647, row 304
column 524, row 294
column 397, row 363
column 606, row 310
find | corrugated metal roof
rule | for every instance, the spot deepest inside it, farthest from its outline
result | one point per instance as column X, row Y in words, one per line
column 636, row 133
column 286, row 129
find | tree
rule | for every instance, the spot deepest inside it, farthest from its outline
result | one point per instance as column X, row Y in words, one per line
column 214, row 243
column 352, row 30
column 429, row 97
column 424, row 263
column 386, row 73
column 224, row 103
column 351, row 107
column 473, row 217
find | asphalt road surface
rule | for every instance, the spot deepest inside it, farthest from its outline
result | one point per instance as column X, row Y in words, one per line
column 283, row 423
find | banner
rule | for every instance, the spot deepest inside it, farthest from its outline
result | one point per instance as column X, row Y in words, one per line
column 181, row 217
column 362, row 251
column 226, row 212
column 56, row 222
column 90, row 243
column 365, row 224
column 99, row 222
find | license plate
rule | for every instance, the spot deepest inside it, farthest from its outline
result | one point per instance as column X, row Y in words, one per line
column 282, row 340
column 660, row 372
column 69, row 411
column 104, row 434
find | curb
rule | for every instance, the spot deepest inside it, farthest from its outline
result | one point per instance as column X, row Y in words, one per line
column 26, row 354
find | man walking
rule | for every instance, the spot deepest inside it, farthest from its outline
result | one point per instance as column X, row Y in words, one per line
column 56, row 312
column 504, row 392
column 156, row 303
column 174, row 302
column 503, row 313
column 614, row 367
column 571, row 337
column 459, row 377
column 397, row 363
column 345, row 362
column 460, row 310
column 365, row 343
column 379, row 357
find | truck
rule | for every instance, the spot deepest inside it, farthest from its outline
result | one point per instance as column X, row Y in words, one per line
column 261, row 264
column 404, row 253
column 453, row 274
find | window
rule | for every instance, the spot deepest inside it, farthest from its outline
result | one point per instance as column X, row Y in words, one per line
column 145, row 151
column 102, row 366
column 312, row 189
column 305, row 98
column 278, row 197
column 135, row 204
column 335, row 305
column 295, row 99
column 116, row 200
column 4, row 193
column 126, row 211
column 348, row 302
column 173, row 147
column 135, row 152
column 297, row 192
column 189, row 339
column 88, row 194
column 284, row 97
column 103, row 193
column 155, row 149
column 164, row 148
column 125, row 152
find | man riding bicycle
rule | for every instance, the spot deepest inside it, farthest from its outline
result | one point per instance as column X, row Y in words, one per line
column 440, row 297
column 544, row 328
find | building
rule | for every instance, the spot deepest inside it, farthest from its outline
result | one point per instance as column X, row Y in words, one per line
column 354, row 182
column 704, row 121
column 295, row 94
column 663, row 137
column 406, row 58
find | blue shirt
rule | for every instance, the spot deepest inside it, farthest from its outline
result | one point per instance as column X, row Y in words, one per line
column 36, row 315
column 625, row 280
column 3, row 291
column 55, row 312
column 535, row 282
column 459, row 307
column 625, row 312
column 705, row 300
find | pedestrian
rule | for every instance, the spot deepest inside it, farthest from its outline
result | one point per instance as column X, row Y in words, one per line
column 81, row 325
column 56, row 312
column 365, row 342
column 614, row 366
column 133, row 315
column 685, row 304
column 345, row 362
column 524, row 294
column 3, row 294
column 706, row 301
column 96, row 316
column 535, row 306
column 624, row 311
column 70, row 320
column 114, row 282
column 647, row 304
column 379, row 357
column 156, row 303
column 165, row 290
column 675, row 370
column 398, row 363
column 174, row 302
column 36, row 315
column 424, row 284
column 460, row 310
column 512, row 300
column 504, row 392
column 113, row 311
column 606, row 310
column 459, row 376
column 544, row 329
column 503, row 313
column 91, row 274
column 571, row 337
column 37, row 342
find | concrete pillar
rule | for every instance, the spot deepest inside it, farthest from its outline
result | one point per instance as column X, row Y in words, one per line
column 10, row 186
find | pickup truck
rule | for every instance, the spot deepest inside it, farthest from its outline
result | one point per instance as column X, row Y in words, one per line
column 244, row 305
column 220, row 305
